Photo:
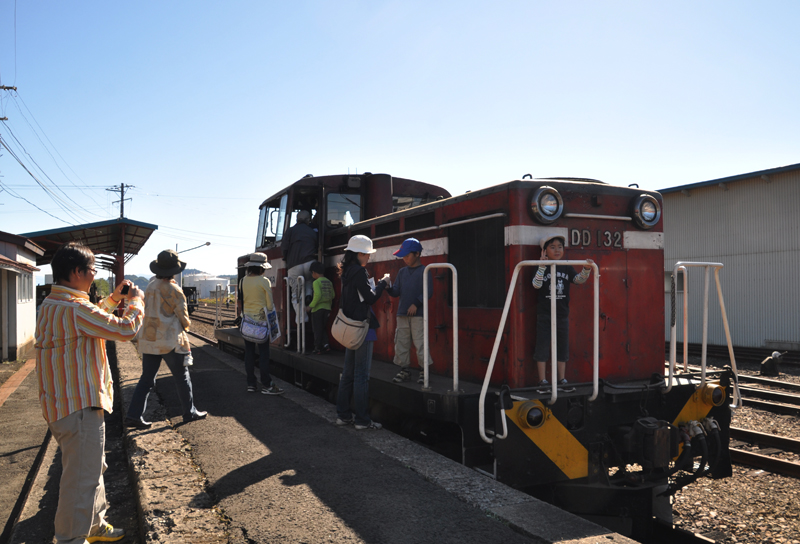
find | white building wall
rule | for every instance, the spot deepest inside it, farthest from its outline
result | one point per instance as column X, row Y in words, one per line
column 17, row 318
column 752, row 226
column 26, row 311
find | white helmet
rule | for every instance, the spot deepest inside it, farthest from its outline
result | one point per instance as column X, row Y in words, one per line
column 360, row 244
column 776, row 355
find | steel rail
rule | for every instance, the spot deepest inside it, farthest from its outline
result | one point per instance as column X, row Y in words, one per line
column 773, row 407
column 771, row 464
column 765, row 439
column 774, row 396
column 203, row 338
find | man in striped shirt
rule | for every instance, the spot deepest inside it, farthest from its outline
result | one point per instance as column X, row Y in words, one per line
column 75, row 387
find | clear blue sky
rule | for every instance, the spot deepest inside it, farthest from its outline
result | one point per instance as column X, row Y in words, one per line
column 207, row 108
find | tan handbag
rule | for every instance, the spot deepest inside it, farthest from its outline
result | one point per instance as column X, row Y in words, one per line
column 349, row 332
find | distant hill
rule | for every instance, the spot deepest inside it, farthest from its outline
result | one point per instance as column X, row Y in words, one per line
column 139, row 281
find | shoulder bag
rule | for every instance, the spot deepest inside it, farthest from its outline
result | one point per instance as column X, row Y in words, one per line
column 254, row 331
column 350, row 333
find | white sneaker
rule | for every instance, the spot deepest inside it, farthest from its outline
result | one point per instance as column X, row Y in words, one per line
column 372, row 425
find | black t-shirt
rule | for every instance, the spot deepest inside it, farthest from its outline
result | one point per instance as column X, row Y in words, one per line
column 564, row 276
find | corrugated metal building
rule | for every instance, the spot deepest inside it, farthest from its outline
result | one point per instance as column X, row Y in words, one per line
column 751, row 224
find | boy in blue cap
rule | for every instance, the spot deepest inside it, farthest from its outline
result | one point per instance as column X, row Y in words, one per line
column 410, row 326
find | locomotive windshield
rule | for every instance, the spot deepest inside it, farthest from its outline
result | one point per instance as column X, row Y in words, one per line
column 270, row 222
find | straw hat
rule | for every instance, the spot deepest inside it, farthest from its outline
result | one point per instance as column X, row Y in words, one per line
column 258, row 259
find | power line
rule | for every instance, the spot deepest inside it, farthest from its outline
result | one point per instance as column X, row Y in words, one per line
column 3, row 143
column 47, row 190
column 16, row 95
column 66, row 206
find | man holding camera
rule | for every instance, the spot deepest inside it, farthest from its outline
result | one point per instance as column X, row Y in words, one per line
column 75, row 386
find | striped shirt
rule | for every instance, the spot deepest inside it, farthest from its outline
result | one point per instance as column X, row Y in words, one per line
column 71, row 360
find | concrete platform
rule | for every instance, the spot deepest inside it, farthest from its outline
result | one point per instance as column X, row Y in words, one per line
column 277, row 469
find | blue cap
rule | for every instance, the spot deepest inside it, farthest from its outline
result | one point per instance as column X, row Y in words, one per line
column 411, row 245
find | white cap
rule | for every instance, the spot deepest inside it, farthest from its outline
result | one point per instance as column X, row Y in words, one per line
column 360, row 244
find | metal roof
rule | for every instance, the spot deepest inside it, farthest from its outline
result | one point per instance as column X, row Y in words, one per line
column 20, row 241
column 16, row 266
column 114, row 237
column 730, row 179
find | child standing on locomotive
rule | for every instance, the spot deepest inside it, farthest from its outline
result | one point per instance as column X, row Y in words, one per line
column 410, row 327
column 553, row 250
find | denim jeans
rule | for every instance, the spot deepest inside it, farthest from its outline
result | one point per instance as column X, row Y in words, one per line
column 150, row 366
column 355, row 382
column 263, row 363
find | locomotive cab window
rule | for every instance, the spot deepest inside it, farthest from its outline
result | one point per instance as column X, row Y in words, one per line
column 343, row 209
column 477, row 250
column 270, row 222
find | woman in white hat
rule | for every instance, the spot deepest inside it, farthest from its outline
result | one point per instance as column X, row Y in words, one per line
column 163, row 336
column 256, row 296
column 356, row 302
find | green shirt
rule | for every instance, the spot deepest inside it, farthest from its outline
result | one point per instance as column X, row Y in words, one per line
column 323, row 294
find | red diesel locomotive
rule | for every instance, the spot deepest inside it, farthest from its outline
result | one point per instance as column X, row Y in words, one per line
column 614, row 446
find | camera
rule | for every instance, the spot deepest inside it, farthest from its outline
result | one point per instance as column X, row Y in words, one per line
column 125, row 289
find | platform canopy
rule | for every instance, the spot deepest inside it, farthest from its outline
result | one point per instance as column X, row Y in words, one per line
column 113, row 242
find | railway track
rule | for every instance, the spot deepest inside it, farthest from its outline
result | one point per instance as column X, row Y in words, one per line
column 744, row 355
column 208, row 315
column 769, row 446
column 206, row 339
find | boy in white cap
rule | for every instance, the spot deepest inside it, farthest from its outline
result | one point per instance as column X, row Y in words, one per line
column 553, row 250
column 410, row 321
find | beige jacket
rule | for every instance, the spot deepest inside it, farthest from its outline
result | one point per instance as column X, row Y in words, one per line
column 166, row 319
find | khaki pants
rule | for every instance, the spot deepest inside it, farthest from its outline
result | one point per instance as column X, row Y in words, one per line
column 298, row 298
column 409, row 329
column 82, row 493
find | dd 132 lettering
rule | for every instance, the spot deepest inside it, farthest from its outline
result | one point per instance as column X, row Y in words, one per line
column 600, row 238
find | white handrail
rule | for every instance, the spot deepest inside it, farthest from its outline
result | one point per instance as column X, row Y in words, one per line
column 737, row 398
column 452, row 268
column 288, row 307
column 685, row 317
column 300, row 293
column 301, row 313
column 707, row 266
column 509, row 298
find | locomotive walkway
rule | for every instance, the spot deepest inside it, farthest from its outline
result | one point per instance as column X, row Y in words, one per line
column 276, row 469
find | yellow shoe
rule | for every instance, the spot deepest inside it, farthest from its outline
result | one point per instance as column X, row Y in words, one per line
column 106, row 533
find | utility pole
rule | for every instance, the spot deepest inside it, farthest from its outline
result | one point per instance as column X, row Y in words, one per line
column 121, row 190
column 5, row 88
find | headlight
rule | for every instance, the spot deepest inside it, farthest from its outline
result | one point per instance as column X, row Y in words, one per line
column 646, row 211
column 532, row 415
column 546, row 204
column 713, row 394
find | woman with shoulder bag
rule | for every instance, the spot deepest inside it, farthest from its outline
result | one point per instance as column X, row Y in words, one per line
column 357, row 299
column 255, row 300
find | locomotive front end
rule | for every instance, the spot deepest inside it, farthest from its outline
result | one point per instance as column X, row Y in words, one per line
column 619, row 439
